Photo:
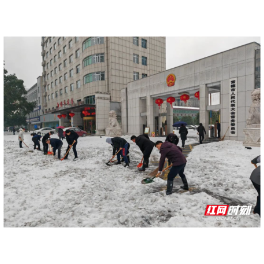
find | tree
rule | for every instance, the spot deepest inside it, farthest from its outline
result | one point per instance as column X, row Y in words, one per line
column 196, row 119
column 16, row 106
column 187, row 119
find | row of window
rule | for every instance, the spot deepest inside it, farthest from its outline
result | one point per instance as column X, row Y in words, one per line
column 93, row 77
column 70, row 43
column 136, row 59
column 60, row 68
column 143, row 42
column 92, row 41
column 136, row 75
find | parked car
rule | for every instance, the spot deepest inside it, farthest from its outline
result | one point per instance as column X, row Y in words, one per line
column 44, row 130
column 81, row 133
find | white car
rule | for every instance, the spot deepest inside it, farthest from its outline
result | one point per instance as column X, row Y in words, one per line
column 44, row 130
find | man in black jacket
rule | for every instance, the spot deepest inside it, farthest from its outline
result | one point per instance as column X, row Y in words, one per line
column 201, row 131
column 56, row 145
column 183, row 133
column 121, row 144
column 71, row 138
column 45, row 145
column 218, row 128
column 146, row 147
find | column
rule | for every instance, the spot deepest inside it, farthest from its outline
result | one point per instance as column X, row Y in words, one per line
column 169, row 118
column 150, row 113
column 204, row 116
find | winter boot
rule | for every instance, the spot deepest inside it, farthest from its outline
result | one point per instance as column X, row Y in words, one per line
column 185, row 186
column 116, row 163
column 169, row 187
column 128, row 159
column 126, row 165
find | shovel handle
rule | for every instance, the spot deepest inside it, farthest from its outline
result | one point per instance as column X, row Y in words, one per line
column 164, row 170
column 114, row 156
column 23, row 142
column 254, row 165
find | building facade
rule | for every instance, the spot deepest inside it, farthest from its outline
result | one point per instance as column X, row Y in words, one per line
column 230, row 75
column 34, row 94
column 85, row 75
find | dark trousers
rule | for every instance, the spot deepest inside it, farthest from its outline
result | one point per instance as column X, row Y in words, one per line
column 74, row 150
column 218, row 132
column 146, row 155
column 45, row 147
column 20, row 144
column 183, row 142
column 14, row 133
column 123, row 153
column 177, row 170
column 257, row 207
column 36, row 143
column 59, row 150
column 201, row 138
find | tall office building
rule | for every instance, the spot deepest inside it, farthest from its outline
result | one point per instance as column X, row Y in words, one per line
column 84, row 76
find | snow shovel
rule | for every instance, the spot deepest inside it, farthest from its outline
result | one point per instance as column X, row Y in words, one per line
column 141, row 163
column 23, row 142
column 50, row 152
column 68, row 150
column 150, row 180
column 107, row 163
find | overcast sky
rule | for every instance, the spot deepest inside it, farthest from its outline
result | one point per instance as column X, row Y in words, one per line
column 22, row 55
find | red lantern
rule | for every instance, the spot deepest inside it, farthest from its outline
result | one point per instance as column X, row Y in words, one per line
column 63, row 115
column 185, row 98
column 197, row 95
column 59, row 116
column 171, row 100
column 71, row 114
column 159, row 102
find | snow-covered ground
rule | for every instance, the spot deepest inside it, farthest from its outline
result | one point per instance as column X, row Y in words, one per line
column 46, row 192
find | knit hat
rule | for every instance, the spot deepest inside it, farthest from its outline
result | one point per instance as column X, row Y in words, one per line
column 109, row 140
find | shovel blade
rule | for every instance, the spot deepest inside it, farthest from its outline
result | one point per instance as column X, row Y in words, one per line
column 147, row 180
column 139, row 165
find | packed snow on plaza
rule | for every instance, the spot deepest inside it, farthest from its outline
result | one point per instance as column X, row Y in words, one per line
column 42, row 191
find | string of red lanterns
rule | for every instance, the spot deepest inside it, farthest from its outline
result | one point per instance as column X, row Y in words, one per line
column 71, row 114
column 184, row 98
column 171, row 100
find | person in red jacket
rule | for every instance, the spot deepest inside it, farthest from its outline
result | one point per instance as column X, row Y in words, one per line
column 174, row 154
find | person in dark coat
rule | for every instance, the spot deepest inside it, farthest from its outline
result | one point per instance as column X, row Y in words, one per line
column 255, row 179
column 201, row 131
column 44, row 139
column 146, row 147
column 121, row 144
column 36, row 138
column 183, row 133
column 71, row 138
column 218, row 126
column 56, row 145
column 60, row 133
column 172, row 138
column 174, row 154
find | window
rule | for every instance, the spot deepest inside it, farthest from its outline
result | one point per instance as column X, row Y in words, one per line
column 55, row 46
column 93, row 59
column 76, row 39
column 50, row 50
column 89, row 100
column 135, row 58
column 144, row 43
column 93, row 77
column 60, row 67
column 50, row 62
column 135, row 76
column 55, row 58
column 65, row 76
column 48, row 97
column 56, row 70
column 135, row 41
column 64, row 49
column 66, row 89
column 60, row 79
column 47, row 76
column 144, row 60
column 51, row 85
column 60, row 91
column 51, row 73
column 52, row 96
column 71, row 59
column 78, row 68
column 92, row 41
column 77, row 53
column 59, row 54
column 70, row 44
column 56, row 94
column 47, row 54
column 78, row 84
column 71, row 87
column 71, row 72
column 144, row 75
column 59, row 41
column 65, row 63
column 47, row 65
column 56, row 82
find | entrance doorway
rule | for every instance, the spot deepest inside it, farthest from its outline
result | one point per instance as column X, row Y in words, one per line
column 89, row 125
